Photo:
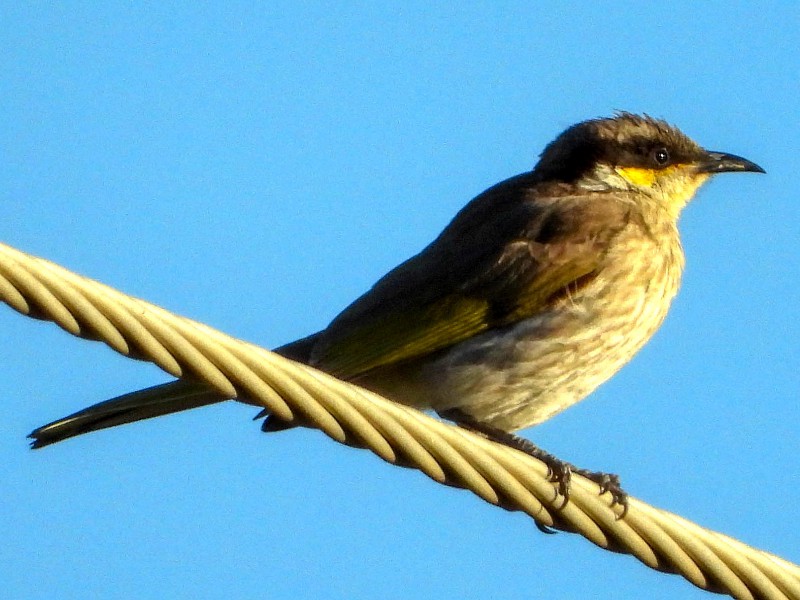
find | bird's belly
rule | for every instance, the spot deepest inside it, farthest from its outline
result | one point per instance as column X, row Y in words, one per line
column 525, row 373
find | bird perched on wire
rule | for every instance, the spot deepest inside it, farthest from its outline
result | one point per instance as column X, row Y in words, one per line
column 537, row 292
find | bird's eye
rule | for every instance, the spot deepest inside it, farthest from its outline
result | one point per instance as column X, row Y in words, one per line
column 660, row 156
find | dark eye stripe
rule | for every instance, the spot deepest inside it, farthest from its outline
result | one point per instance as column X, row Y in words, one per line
column 641, row 155
column 661, row 156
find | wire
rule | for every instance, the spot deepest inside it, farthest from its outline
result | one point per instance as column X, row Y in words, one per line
column 398, row 434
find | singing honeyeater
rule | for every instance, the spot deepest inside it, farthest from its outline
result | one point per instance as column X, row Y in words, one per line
column 538, row 291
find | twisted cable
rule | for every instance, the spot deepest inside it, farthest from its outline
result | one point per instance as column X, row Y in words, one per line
column 398, row 434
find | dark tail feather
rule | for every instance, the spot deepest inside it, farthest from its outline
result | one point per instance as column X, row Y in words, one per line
column 299, row 350
column 144, row 404
column 147, row 403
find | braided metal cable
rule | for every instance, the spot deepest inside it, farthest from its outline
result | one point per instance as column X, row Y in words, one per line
column 398, row 434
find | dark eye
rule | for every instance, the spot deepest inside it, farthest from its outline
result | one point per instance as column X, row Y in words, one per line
column 660, row 156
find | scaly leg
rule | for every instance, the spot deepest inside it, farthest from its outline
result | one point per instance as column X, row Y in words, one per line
column 559, row 471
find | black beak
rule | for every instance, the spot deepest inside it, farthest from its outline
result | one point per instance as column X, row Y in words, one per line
column 719, row 162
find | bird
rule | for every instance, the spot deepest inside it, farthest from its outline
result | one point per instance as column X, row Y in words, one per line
column 538, row 291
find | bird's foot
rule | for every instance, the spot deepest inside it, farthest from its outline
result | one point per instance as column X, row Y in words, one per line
column 559, row 472
column 608, row 482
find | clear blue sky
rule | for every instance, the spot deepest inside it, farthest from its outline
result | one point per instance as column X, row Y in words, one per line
column 257, row 169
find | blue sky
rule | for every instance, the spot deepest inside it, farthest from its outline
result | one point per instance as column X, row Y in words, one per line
column 257, row 169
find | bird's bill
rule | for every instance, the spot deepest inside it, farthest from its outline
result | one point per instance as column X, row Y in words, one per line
column 720, row 162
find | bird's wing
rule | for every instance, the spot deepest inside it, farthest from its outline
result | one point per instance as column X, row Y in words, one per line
column 507, row 255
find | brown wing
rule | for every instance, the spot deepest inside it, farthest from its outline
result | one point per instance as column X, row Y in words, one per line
column 503, row 258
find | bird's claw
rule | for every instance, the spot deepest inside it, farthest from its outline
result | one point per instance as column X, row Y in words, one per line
column 608, row 482
column 559, row 473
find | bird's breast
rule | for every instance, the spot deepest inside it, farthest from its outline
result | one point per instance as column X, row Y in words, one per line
column 523, row 374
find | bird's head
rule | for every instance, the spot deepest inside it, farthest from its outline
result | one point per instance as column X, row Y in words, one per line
column 629, row 152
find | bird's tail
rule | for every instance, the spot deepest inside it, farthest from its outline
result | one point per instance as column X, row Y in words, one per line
column 156, row 401
column 151, row 402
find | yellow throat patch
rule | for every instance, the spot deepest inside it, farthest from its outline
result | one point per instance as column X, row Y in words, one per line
column 638, row 176
column 676, row 183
